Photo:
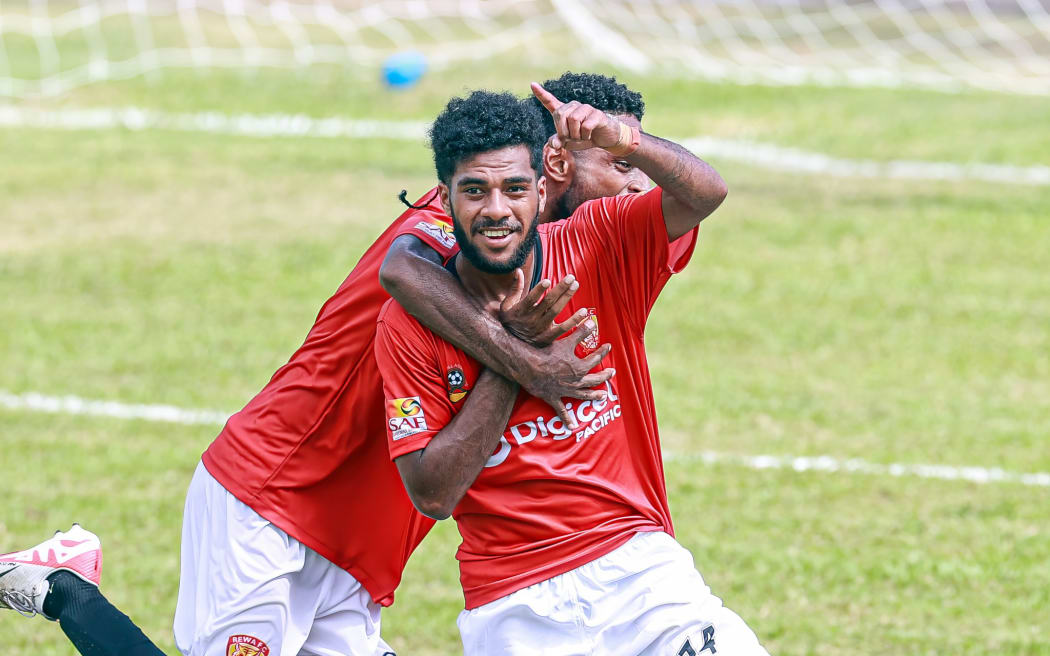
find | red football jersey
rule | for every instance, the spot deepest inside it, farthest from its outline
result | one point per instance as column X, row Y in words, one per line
column 550, row 499
column 308, row 452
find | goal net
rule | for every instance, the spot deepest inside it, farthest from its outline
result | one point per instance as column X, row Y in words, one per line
column 50, row 47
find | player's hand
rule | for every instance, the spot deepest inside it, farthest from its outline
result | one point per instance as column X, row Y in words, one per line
column 555, row 372
column 564, row 375
column 530, row 316
column 578, row 126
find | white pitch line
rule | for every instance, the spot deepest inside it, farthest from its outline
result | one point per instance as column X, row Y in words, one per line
column 802, row 161
column 857, row 466
column 765, row 155
column 73, row 405
column 249, row 125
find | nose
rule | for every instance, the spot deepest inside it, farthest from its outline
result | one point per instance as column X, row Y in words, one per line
column 638, row 183
column 496, row 206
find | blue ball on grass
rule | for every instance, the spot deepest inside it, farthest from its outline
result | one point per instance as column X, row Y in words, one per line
column 403, row 69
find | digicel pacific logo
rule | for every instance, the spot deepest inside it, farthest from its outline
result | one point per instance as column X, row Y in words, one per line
column 591, row 417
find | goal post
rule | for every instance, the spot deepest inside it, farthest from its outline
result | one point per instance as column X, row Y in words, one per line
column 50, row 47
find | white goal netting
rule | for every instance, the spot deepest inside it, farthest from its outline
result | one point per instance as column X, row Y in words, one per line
column 50, row 47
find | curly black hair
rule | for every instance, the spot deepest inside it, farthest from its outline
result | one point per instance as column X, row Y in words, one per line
column 600, row 91
column 481, row 122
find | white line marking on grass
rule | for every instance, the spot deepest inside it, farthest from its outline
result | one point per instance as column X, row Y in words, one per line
column 802, row 161
column 250, row 125
column 754, row 153
column 74, row 405
column 858, row 466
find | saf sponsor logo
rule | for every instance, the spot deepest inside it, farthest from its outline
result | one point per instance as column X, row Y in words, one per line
column 405, row 417
column 456, row 383
column 246, row 645
column 439, row 230
column 591, row 417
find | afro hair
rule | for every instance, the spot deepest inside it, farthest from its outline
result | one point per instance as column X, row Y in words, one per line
column 482, row 122
column 599, row 91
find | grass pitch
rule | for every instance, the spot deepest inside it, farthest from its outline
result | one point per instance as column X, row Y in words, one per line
column 893, row 321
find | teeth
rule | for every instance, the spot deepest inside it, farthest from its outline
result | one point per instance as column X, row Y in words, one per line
column 496, row 233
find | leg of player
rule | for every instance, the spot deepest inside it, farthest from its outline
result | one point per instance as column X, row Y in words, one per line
column 650, row 600
column 58, row 579
column 643, row 599
column 247, row 588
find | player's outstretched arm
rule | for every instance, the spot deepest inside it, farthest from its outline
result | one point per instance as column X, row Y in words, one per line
column 413, row 274
column 438, row 475
column 692, row 188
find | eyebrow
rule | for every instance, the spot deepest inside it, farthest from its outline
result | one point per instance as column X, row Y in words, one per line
column 519, row 179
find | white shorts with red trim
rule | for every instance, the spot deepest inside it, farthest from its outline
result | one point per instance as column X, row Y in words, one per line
column 643, row 598
column 247, row 588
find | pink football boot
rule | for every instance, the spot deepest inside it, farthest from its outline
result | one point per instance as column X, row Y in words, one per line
column 23, row 574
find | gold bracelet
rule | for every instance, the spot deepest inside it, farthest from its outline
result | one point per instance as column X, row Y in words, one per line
column 630, row 139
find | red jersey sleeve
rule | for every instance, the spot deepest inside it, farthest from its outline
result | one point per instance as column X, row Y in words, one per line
column 632, row 228
column 416, row 401
column 430, row 224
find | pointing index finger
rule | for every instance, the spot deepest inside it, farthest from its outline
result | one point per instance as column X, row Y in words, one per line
column 546, row 98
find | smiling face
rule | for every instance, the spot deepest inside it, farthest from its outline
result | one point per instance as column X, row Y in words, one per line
column 598, row 174
column 494, row 199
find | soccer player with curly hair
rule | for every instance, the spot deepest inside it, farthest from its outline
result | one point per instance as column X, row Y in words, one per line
column 568, row 542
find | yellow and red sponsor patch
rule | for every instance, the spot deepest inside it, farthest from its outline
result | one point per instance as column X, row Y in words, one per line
column 246, row 645
column 405, row 417
column 439, row 230
column 406, row 407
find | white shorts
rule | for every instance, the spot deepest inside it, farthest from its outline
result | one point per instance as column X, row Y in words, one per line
column 246, row 583
column 644, row 597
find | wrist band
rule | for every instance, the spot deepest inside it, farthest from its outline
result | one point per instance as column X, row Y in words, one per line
column 630, row 139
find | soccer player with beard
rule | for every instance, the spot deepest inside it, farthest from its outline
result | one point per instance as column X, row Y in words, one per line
column 293, row 469
column 567, row 537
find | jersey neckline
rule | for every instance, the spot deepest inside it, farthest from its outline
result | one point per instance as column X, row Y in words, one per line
column 537, row 269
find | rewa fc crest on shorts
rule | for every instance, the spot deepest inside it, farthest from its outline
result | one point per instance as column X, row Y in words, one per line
column 246, row 645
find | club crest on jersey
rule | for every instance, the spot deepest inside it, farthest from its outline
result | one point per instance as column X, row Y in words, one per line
column 439, row 230
column 591, row 342
column 457, row 383
column 246, row 645
column 405, row 417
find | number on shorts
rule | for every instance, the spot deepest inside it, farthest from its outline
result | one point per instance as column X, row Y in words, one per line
column 708, row 636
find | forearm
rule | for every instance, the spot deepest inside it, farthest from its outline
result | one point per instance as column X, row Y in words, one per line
column 433, row 296
column 687, row 181
column 438, row 475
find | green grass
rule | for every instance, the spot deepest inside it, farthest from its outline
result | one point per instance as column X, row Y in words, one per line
column 886, row 320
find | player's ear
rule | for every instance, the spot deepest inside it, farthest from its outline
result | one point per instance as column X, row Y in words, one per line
column 558, row 164
column 443, row 194
column 541, row 187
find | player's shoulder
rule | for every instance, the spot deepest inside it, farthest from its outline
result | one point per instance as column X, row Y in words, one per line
column 399, row 334
column 394, row 316
column 625, row 202
column 597, row 209
column 426, row 219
